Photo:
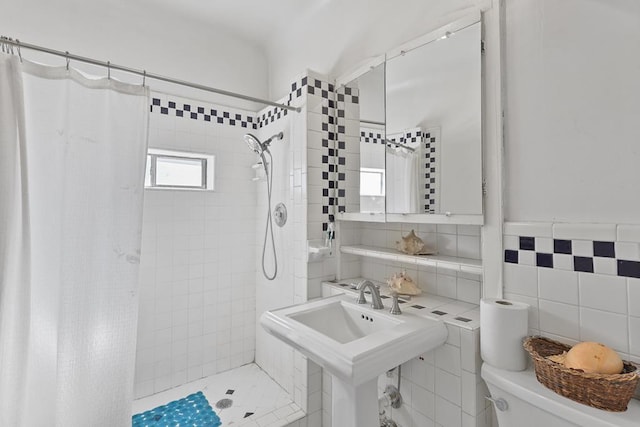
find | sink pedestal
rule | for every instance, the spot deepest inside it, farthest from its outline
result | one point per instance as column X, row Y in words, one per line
column 355, row 344
column 354, row 406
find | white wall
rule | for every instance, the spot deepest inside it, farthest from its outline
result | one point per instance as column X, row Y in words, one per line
column 572, row 103
column 571, row 240
column 337, row 35
column 139, row 35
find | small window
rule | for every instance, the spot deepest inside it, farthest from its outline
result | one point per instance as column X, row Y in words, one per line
column 371, row 182
column 179, row 170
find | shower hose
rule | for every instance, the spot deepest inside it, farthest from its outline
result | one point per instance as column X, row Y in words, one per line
column 268, row 229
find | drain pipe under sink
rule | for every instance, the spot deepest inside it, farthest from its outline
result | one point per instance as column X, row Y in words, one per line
column 390, row 398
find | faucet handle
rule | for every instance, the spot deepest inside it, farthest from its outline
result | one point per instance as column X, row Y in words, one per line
column 395, row 305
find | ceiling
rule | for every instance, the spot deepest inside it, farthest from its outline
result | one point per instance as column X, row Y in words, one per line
column 258, row 22
column 327, row 36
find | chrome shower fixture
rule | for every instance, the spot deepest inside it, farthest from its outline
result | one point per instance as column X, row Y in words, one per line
column 260, row 147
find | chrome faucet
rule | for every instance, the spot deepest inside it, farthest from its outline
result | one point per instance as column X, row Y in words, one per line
column 376, row 301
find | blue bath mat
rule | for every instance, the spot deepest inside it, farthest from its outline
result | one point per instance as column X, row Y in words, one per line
column 193, row 411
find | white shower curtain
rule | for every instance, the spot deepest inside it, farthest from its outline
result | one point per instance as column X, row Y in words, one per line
column 402, row 180
column 72, row 156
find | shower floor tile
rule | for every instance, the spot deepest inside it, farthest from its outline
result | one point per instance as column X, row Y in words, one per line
column 257, row 399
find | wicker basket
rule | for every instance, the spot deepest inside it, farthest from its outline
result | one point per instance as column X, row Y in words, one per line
column 608, row 392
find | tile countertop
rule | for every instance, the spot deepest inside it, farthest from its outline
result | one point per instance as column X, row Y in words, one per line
column 451, row 311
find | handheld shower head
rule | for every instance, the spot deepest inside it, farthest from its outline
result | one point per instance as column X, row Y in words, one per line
column 260, row 147
column 253, row 143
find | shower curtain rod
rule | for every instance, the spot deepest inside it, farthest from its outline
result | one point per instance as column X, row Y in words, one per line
column 143, row 73
column 372, row 122
column 398, row 144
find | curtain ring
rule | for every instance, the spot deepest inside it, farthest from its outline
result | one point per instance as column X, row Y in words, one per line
column 66, row 55
column 18, row 48
column 144, row 77
column 109, row 70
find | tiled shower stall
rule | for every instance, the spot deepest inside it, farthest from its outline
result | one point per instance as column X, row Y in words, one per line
column 201, row 281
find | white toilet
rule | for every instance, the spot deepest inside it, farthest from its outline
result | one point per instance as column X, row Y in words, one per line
column 521, row 401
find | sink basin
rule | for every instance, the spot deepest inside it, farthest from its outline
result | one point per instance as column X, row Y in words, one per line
column 353, row 341
column 355, row 344
column 343, row 322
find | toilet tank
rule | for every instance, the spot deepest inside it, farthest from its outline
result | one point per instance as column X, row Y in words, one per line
column 530, row 404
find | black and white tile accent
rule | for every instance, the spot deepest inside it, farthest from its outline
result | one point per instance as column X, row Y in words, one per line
column 330, row 159
column 271, row 116
column 211, row 113
column 227, row 116
column 310, row 86
column 430, row 141
column 371, row 136
column 588, row 256
column 344, row 97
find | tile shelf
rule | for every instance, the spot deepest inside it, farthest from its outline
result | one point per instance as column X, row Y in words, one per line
column 465, row 265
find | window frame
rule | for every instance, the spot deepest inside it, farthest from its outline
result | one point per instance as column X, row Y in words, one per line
column 381, row 173
column 207, row 165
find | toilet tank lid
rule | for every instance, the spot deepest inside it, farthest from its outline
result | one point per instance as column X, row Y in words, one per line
column 526, row 387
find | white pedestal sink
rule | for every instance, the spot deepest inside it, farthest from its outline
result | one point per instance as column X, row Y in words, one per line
column 355, row 344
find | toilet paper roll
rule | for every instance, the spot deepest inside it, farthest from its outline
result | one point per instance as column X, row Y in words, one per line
column 503, row 326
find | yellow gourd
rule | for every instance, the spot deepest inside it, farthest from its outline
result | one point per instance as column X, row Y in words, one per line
column 593, row 358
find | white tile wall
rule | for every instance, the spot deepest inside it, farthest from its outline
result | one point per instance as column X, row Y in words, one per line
column 276, row 358
column 440, row 387
column 197, row 302
column 558, row 285
column 202, row 279
column 448, row 376
column 452, row 240
column 443, row 387
column 591, row 292
column 572, row 306
column 297, row 182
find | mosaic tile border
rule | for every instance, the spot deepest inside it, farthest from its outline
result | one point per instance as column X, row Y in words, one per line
column 368, row 136
column 225, row 116
column 330, row 173
column 588, row 256
column 430, row 141
column 344, row 96
column 212, row 113
column 271, row 116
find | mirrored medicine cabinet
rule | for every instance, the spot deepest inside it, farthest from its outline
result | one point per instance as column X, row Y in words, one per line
column 414, row 130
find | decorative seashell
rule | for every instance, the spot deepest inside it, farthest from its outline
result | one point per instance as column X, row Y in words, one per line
column 403, row 284
column 410, row 244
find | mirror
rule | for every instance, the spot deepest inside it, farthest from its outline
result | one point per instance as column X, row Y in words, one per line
column 433, row 126
column 363, row 101
column 372, row 135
